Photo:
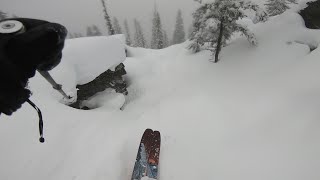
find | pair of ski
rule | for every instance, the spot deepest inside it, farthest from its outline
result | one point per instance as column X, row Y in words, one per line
column 147, row 160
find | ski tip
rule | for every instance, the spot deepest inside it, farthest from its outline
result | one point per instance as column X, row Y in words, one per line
column 156, row 133
column 148, row 131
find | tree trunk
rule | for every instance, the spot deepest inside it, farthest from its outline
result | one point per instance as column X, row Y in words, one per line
column 219, row 43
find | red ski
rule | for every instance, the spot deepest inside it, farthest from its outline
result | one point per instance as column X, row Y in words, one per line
column 147, row 160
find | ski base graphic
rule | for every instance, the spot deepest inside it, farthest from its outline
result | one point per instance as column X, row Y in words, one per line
column 147, row 160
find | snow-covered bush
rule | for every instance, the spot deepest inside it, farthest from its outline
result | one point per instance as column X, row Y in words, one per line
column 215, row 22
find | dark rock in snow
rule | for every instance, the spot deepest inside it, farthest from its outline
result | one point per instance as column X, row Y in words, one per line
column 311, row 15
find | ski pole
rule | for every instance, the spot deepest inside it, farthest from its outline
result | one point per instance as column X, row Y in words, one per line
column 55, row 86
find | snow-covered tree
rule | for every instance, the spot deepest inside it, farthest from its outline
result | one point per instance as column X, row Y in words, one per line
column 74, row 35
column 2, row 15
column 89, row 31
column 179, row 33
column 70, row 36
column 93, row 31
column 77, row 35
column 116, row 25
column 127, row 32
column 276, row 7
column 157, row 32
column 14, row 16
column 139, row 40
column 165, row 39
column 107, row 18
column 190, row 31
column 96, row 31
column 215, row 22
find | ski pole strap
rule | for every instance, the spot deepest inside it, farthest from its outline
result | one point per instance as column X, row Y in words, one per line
column 41, row 139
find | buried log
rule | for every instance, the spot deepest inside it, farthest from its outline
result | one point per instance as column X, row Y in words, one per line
column 311, row 15
column 108, row 79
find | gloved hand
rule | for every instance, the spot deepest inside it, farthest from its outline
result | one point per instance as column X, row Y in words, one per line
column 26, row 45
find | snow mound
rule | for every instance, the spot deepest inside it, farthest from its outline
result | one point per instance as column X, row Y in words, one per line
column 91, row 56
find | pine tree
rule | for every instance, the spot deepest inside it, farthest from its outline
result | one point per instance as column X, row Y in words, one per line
column 127, row 32
column 89, row 31
column 165, row 39
column 77, row 35
column 276, row 7
column 139, row 40
column 157, row 32
column 214, row 23
column 93, row 31
column 3, row 15
column 116, row 25
column 198, row 28
column 190, row 31
column 74, row 35
column 179, row 33
column 70, row 36
column 96, row 31
column 107, row 18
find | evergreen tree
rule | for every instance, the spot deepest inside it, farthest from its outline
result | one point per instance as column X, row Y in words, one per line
column 165, row 39
column 93, row 31
column 190, row 31
column 107, row 18
column 157, row 32
column 96, row 31
column 116, row 25
column 127, row 32
column 276, row 7
column 139, row 40
column 179, row 33
column 74, row 35
column 215, row 22
column 3, row 15
column 89, row 31
column 70, row 36
column 77, row 35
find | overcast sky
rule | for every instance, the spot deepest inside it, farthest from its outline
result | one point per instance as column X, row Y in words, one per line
column 77, row 14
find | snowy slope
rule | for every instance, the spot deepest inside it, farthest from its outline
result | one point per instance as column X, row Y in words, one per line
column 252, row 116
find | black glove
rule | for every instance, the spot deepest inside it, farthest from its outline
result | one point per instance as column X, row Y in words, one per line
column 37, row 45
